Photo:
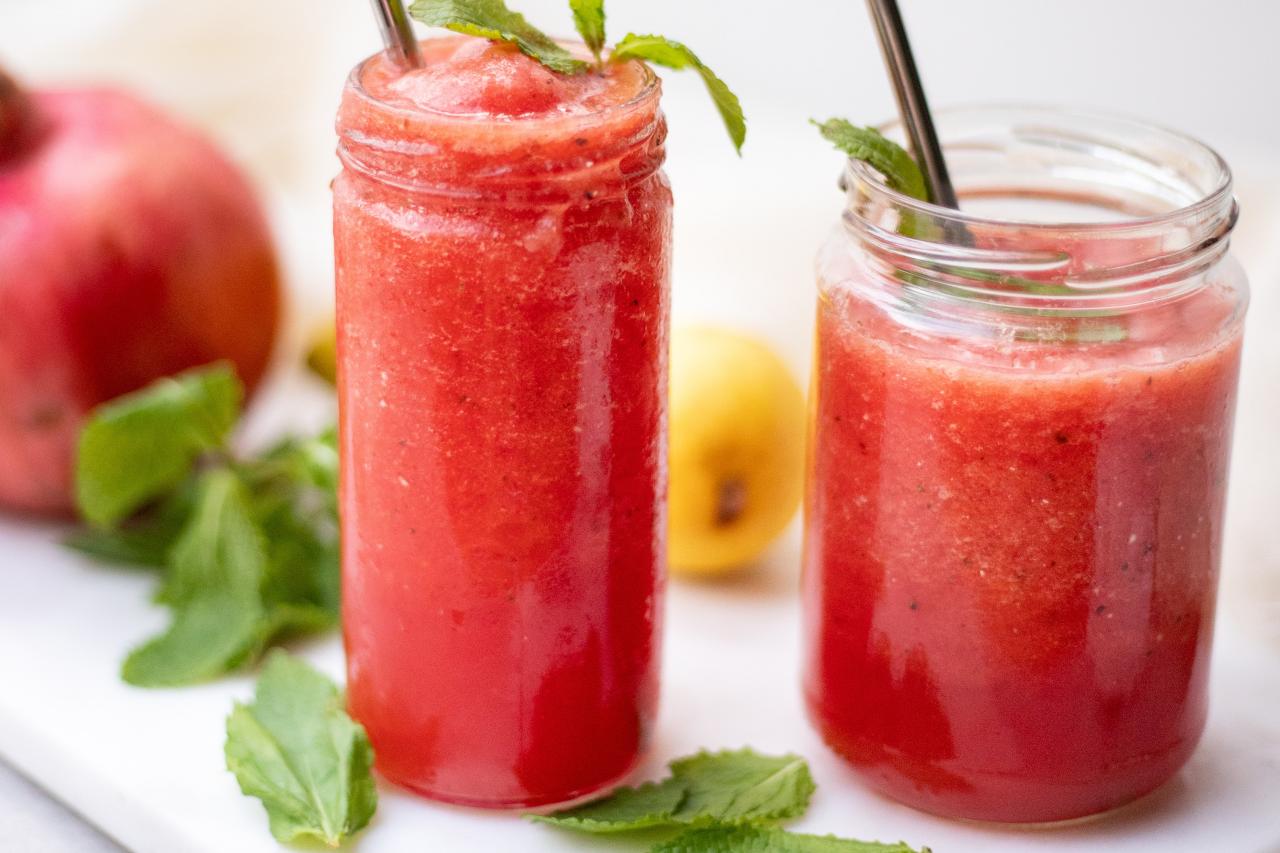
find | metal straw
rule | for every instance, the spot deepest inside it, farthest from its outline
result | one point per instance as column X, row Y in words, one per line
column 912, row 104
column 397, row 33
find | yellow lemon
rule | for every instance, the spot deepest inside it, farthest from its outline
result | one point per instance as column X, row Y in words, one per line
column 322, row 352
column 737, row 449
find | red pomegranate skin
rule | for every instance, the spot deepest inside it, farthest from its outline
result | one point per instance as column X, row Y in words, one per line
column 130, row 248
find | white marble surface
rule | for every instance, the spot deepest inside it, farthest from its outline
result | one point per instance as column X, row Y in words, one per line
column 147, row 767
column 33, row 822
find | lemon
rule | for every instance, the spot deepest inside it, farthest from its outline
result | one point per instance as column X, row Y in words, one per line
column 737, row 449
column 322, row 352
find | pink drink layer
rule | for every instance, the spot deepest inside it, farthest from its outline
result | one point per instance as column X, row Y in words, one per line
column 1012, row 552
column 503, row 264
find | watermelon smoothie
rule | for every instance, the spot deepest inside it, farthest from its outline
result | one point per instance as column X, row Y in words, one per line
column 503, row 255
column 1016, row 489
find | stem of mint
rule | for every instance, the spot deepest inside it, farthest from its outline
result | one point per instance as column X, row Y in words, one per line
column 902, row 173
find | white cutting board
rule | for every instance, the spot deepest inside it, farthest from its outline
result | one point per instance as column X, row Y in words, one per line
column 146, row 765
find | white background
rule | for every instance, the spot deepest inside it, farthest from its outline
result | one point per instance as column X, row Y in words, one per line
column 1207, row 66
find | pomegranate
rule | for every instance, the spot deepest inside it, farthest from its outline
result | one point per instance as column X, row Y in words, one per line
column 130, row 248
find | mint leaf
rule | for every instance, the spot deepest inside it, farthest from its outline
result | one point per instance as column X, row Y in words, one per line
column 295, row 494
column 216, row 570
column 249, row 548
column 588, row 17
column 626, row 809
column 295, row 749
column 729, row 787
column 145, row 540
column 742, row 786
column 885, row 156
column 753, row 839
column 141, row 445
column 142, row 545
column 491, row 19
column 252, row 563
column 672, row 54
column 209, row 636
column 221, row 545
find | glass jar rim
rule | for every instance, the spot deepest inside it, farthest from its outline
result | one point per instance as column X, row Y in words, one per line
column 538, row 158
column 1218, row 195
column 1180, row 188
column 650, row 90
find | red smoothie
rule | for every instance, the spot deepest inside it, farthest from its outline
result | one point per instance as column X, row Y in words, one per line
column 503, row 255
column 1012, row 541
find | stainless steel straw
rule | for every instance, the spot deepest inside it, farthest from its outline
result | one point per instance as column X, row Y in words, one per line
column 912, row 104
column 397, row 33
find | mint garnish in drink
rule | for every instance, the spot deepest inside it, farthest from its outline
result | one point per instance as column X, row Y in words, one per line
column 884, row 155
column 492, row 19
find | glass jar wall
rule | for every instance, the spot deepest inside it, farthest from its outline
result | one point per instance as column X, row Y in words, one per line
column 1021, row 424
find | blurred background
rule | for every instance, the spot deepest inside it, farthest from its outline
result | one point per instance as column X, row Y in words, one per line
column 264, row 79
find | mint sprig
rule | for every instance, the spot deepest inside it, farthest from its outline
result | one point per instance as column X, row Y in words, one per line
column 742, row 786
column 296, row 750
column 142, row 541
column 902, row 173
column 721, row 802
column 492, row 19
column 673, row 54
column 588, row 18
column 247, row 546
column 142, row 445
column 887, row 157
column 216, row 567
column 755, row 839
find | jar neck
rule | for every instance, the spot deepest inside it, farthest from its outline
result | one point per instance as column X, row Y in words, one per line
column 551, row 159
column 1064, row 214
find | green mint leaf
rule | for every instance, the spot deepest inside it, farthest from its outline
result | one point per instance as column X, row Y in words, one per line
column 732, row 787
column 672, row 54
column 145, row 540
column 208, row 637
column 140, row 545
column 295, row 749
column 257, row 559
column 885, row 156
column 754, row 839
column 303, row 568
column 742, row 786
column 588, row 17
column 626, row 809
column 221, row 545
column 213, row 585
column 142, row 445
column 491, row 19
column 295, row 493
column 290, row 619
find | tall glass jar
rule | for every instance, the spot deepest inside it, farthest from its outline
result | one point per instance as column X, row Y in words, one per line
column 1021, row 424
column 503, row 241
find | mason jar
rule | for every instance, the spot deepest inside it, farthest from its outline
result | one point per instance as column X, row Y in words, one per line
column 1021, row 424
column 503, row 247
